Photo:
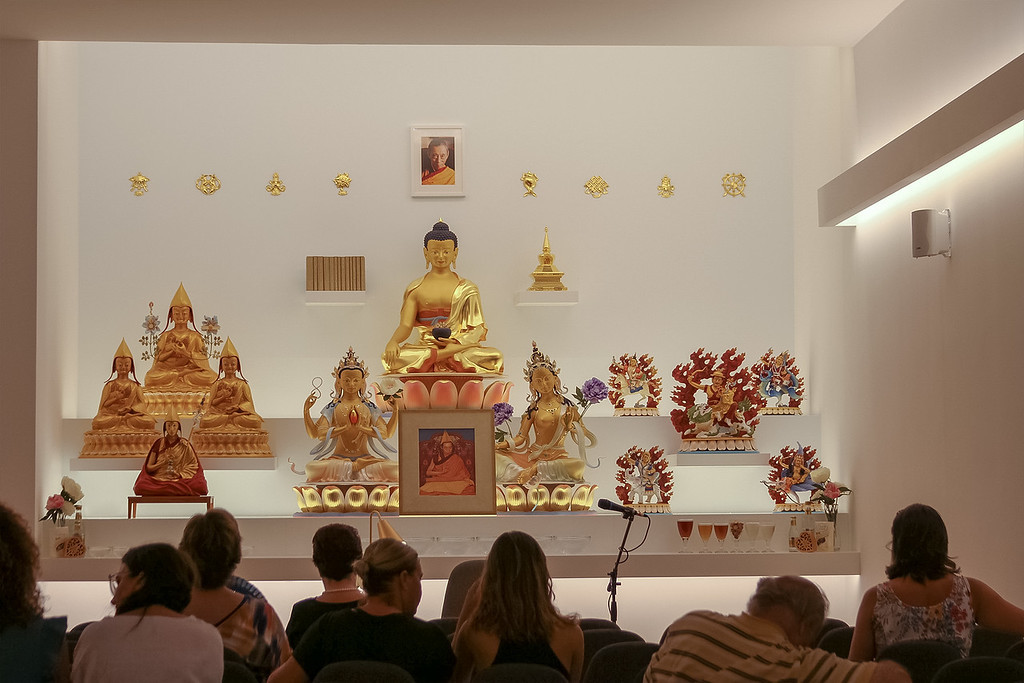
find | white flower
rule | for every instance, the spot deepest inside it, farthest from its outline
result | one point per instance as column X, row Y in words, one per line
column 69, row 509
column 72, row 488
column 820, row 475
column 389, row 386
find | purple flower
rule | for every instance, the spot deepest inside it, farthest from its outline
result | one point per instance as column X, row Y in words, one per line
column 502, row 412
column 594, row 390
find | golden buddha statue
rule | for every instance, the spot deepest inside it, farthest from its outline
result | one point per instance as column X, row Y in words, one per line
column 122, row 426
column 538, row 450
column 180, row 362
column 349, row 427
column 230, row 426
column 230, row 405
column 443, row 313
column 122, row 404
column 171, row 467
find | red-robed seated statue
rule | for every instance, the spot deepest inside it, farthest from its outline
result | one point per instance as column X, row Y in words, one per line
column 171, row 467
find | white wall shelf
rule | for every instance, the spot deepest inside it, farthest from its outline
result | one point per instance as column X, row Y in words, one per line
column 566, row 297
column 336, row 298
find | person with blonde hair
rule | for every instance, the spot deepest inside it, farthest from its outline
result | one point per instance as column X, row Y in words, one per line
column 381, row 629
column 510, row 615
column 926, row 596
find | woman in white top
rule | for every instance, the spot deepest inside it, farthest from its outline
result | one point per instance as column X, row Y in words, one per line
column 149, row 639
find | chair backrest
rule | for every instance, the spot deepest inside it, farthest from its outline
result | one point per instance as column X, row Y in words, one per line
column 620, row 662
column 596, row 638
column 462, row 577
column 594, row 622
column 363, row 671
column 921, row 658
column 235, row 672
column 989, row 642
column 837, row 641
column 1015, row 652
column 446, row 624
column 982, row 668
column 519, row 673
column 829, row 625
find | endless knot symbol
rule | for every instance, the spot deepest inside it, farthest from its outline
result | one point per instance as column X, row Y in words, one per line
column 596, row 187
column 207, row 183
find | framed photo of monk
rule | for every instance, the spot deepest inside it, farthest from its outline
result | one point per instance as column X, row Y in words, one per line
column 438, row 161
column 446, row 462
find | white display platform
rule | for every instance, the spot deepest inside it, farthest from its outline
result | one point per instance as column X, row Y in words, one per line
column 578, row 545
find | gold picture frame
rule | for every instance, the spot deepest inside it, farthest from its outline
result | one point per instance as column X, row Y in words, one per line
column 427, row 179
column 438, row 479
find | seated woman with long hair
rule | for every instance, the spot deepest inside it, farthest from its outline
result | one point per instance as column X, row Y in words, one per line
column 30, row 645
column 335, row 548
column 382, row 629
column 248, row 625
column 510, row 616
column 926, row 596
column 149, row 638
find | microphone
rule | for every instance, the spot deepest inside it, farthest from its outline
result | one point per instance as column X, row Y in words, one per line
column 627, row 512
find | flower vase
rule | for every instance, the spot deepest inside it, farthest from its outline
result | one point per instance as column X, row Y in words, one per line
column 833, row 518
column 51, row 535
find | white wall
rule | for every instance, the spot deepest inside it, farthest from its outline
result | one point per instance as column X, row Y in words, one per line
column 917, row 359
column 662, row 276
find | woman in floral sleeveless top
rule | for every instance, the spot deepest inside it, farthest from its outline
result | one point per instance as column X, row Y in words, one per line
column 926, row 597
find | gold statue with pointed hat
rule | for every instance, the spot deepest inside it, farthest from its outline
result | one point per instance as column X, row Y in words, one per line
column 547, row 278
column 230, row 425
column 122, row 425
column 180, row 363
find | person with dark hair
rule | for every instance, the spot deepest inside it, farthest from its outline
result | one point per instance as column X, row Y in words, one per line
column 382, row 629
column 438, row 162
column 510, row 616
column 926, row 596
column 335, row 548
column 247, row 625
column 443, row 313
column 771, row 641
column 149, row 632
column 30, row 644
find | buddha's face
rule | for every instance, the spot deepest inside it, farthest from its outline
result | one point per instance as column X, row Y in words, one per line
column 440, row 254
column 229, row 364
column 350, row 382
column 122, row 365
column 543, row 380
column 180, row 314
column 438, row 156
column 172, row 427
column 446, row 447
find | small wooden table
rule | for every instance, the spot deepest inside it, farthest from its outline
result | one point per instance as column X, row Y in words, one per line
column 133, row 501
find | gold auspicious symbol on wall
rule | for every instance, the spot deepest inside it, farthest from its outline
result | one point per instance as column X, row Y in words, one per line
column 734, row 184
column 207, row 183
column 596, row 187
column 529, row 180
column 666, row 189
column 342, row 181
column 139, row 184
column 276, row 187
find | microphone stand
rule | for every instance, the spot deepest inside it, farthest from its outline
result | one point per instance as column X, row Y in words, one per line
column 613, row 582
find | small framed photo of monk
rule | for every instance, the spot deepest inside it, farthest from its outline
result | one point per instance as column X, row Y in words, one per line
column 446, row 462
column 438, row 161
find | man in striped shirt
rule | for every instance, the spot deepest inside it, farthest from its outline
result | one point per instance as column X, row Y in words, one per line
column 770, row 642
